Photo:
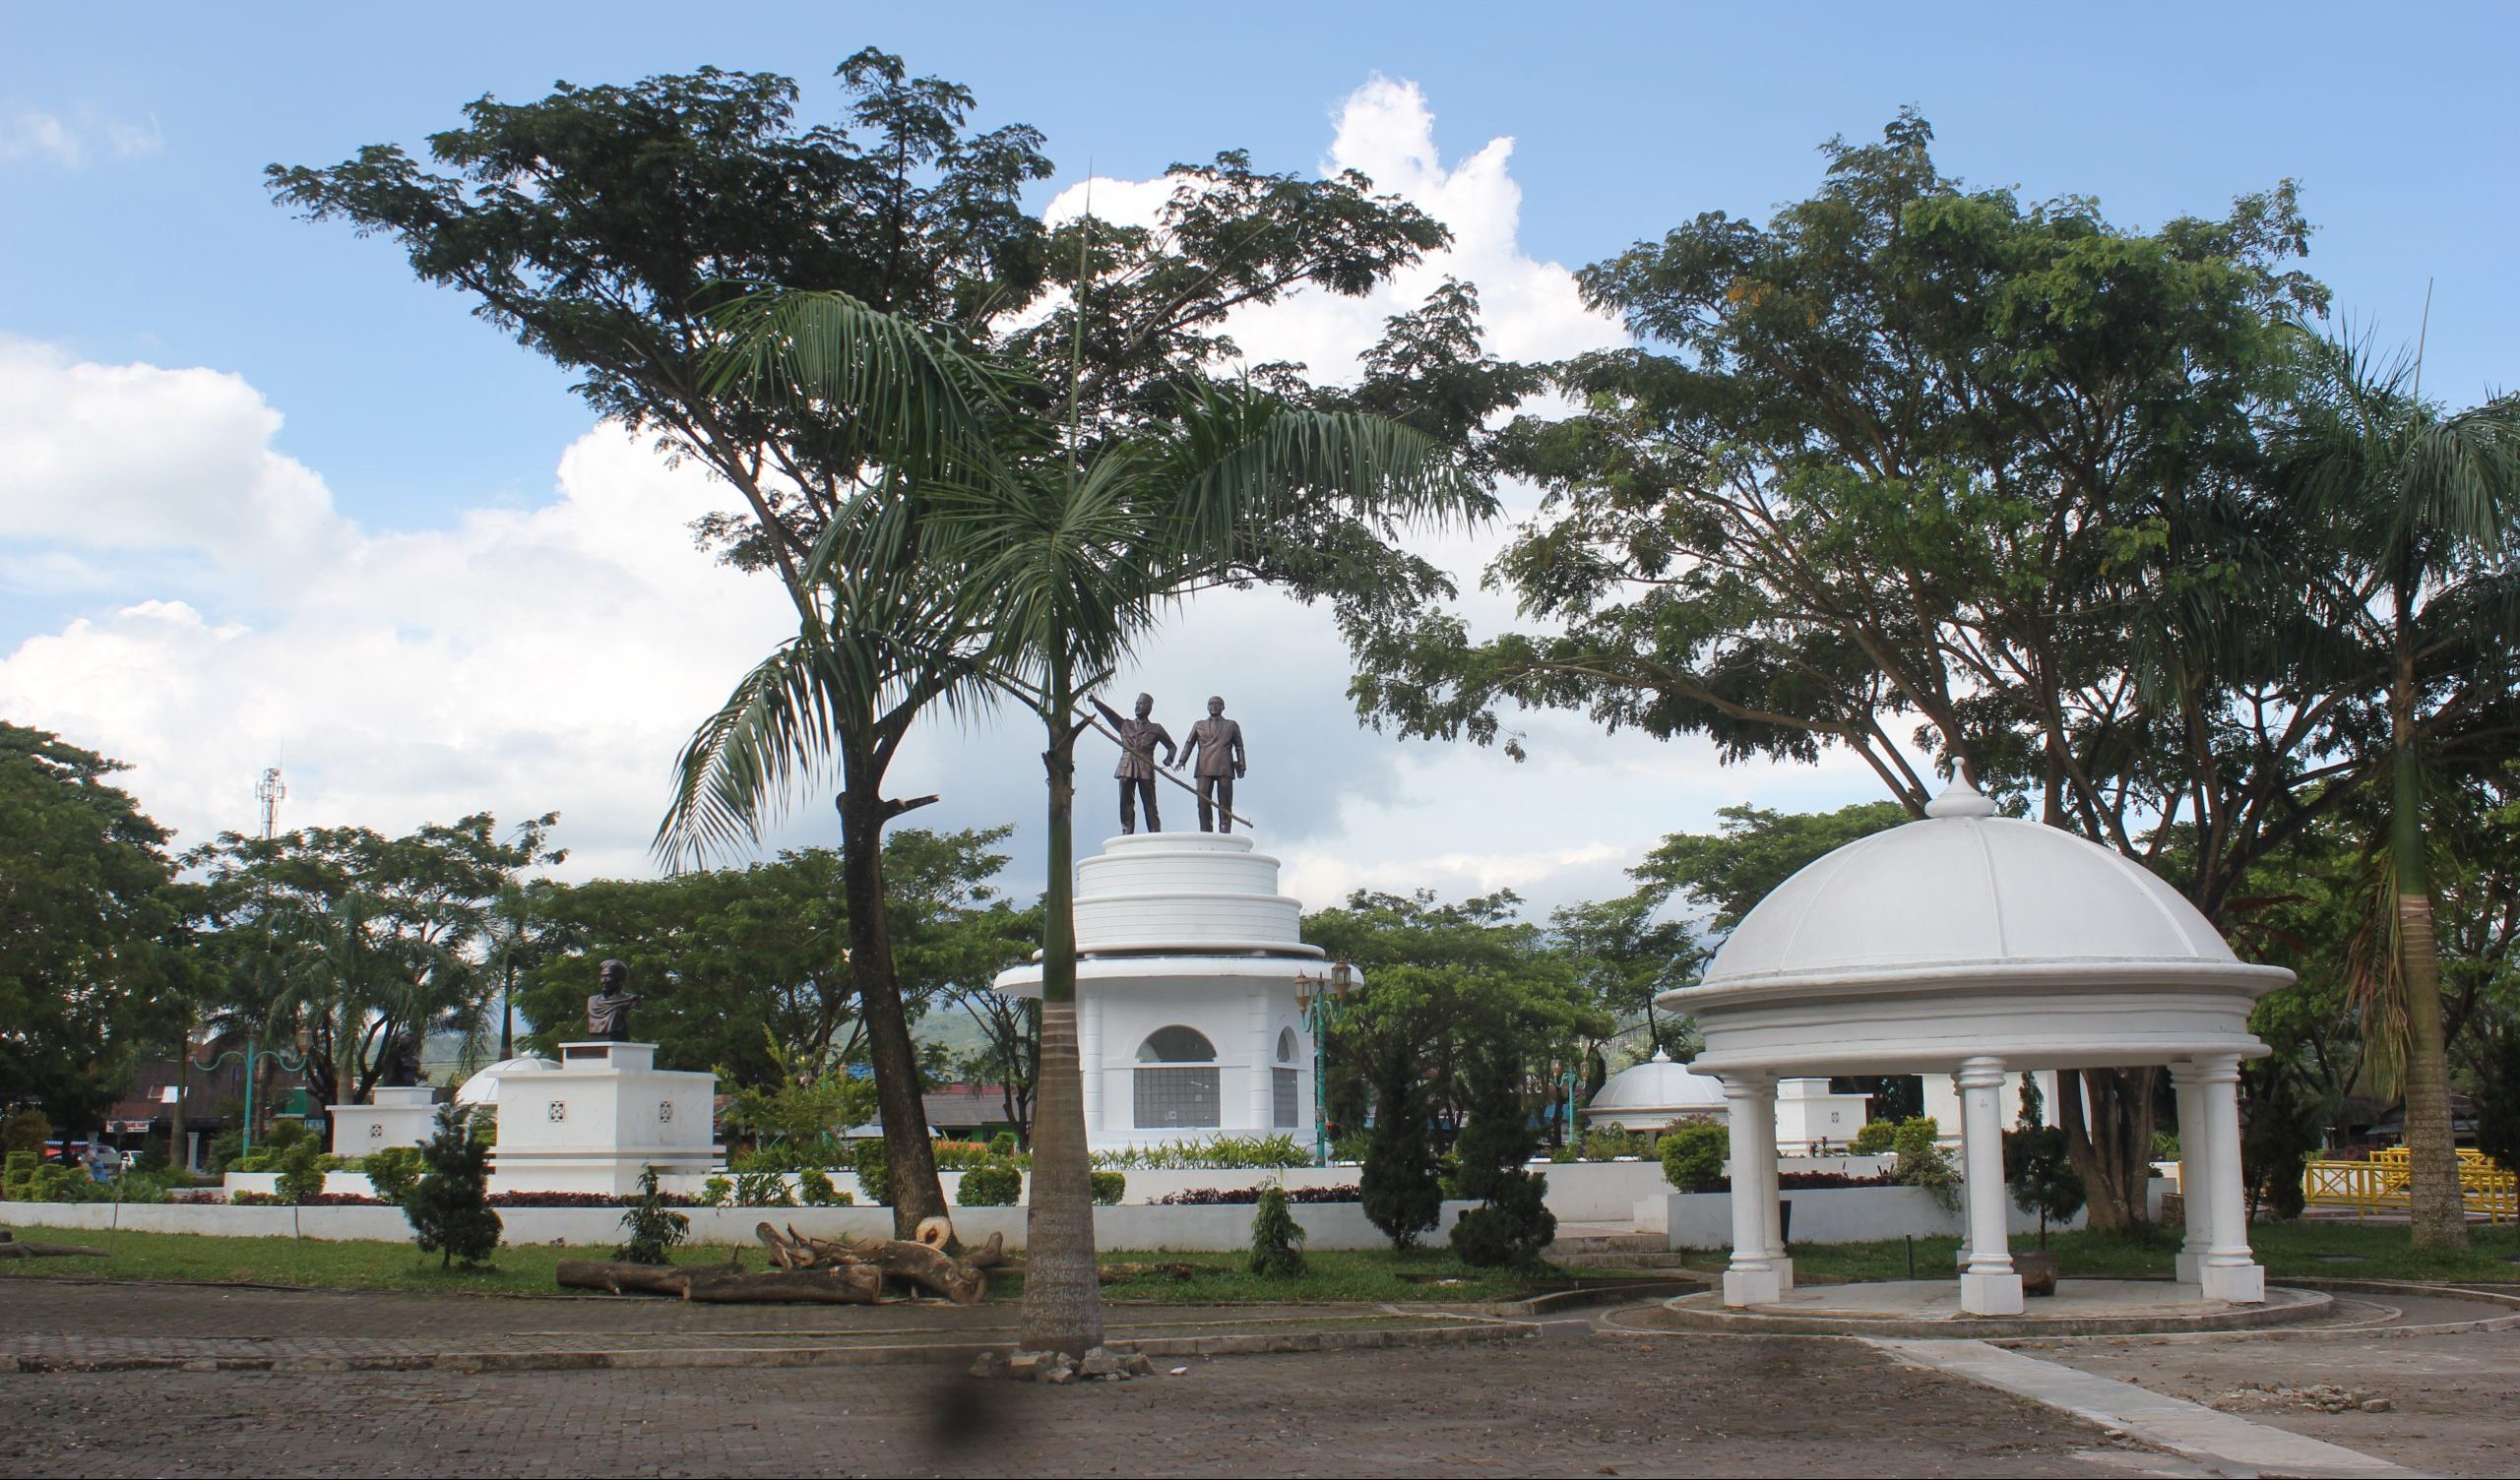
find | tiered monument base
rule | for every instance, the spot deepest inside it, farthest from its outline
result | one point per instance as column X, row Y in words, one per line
column 401, row 1117
column 605, row 1115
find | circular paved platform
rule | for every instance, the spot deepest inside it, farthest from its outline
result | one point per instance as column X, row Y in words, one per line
column 1932, row 1308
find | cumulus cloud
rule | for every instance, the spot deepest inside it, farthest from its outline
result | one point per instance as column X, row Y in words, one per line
column 69, row 143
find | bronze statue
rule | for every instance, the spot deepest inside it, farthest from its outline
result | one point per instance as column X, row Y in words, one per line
column 1138, row 739
column 1217, row 743
column 609, row 1011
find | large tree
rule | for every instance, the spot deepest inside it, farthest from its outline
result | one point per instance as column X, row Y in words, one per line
column 1946, row 481
column 609, row 227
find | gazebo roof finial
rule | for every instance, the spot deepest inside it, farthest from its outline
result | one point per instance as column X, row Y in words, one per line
column 1960, row 799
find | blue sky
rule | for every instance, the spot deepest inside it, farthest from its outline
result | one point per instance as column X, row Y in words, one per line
column 410, row 449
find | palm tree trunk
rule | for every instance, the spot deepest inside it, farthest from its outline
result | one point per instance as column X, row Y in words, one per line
column 1062, row 1293
column 909, row 1157
column 2437, row 1209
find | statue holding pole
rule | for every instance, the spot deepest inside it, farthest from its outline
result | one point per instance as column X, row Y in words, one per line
column 1138, row 739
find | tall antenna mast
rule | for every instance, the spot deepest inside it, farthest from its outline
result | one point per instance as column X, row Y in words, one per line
column 268, row 791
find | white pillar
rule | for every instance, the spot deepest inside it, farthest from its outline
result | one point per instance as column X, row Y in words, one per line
column 2194, row 1176
column 1990, row 1287
column 1954, row 1129
column 1749, row 1113
column 1264, row 1058
column 2228, row 1272
column 1771, row 1203
column 1088, row 1056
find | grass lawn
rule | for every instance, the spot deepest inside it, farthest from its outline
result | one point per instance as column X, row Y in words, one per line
column 2304, row 1249
column 1207, row 1278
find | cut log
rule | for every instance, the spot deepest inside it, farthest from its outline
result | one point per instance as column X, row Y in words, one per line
column 12, row 1247
column 929, row 1269
column 857, row 1284
column 622, row 1278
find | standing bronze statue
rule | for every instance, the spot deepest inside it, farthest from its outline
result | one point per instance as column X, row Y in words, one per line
column 1138, row 739
column 1216, row 742
column 609, row 1011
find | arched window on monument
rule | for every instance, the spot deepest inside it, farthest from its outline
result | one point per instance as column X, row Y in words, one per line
column 1176, row 1082
column 1284, row 1084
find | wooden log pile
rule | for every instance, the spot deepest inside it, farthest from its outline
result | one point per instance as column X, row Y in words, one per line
column 14, row 1247
column 820, row 1271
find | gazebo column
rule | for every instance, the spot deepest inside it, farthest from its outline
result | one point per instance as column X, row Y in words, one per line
column 1960, row 1097
column 2193, row 1178
column 1988, row 1287
column 1750, row 1116
column 2228, row 1272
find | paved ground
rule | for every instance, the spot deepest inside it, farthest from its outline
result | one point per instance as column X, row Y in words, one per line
column 1579, row 1405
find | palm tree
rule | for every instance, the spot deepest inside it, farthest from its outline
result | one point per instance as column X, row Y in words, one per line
column 2421, row 603
column 880, row 639
column 1071, row 562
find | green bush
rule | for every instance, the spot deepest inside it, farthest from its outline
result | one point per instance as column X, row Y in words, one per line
column 1110, row 1188
column 652, row 1228
column 25, row 1129
column 874, row 1171
column 224, row 1148
column 286, row 1131
column 991, row 1184
column 1220, row 1153
column 450, row 1211
column 716, row 1192
column 763, row 1189
column 1353, row 1146
column 1693, row 1154
column 19, row 1169
column 1401, row 1186
column 252, row 1200
column 2043, row 1176
column 1609, row 1144
column 1923, row 1162
column 1002, row 1145
column 393, row 1172
column 301, row 1174
column 1277, row 1239
column 959, row 1155
column 814, row 1185
column 1512, row 1222
column 1511, row 1227
column 1876, row 1137
column 789, row 1156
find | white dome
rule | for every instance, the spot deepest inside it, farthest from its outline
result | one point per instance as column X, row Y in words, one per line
column 1656, row 1090
column 1964, row 893
column 484, row 1087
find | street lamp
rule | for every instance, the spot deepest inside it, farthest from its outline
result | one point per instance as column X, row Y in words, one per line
column 1320, row 999
column 252, row 1053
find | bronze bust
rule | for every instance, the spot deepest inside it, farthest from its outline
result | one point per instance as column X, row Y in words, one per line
column 609, row 1011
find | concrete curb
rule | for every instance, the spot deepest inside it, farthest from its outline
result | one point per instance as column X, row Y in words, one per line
column 1231, row 1345
column 1709, row 1319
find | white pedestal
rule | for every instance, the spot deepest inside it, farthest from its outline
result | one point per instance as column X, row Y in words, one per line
column 2241, row 1284
column 1753, row 1287
column 1991, row 1294
column 400, row 1117
column 593, row 1124
column 1783, row 1268
column 2186, row 1269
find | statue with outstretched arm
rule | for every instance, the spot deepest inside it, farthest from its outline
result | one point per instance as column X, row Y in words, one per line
column 1138, row 739
column 1217, row 743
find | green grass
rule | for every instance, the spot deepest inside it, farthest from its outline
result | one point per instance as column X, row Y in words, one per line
column 1213, row 1278
column 2287, row 1250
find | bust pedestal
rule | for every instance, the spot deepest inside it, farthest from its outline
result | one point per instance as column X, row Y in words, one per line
column 402, row 1116
column 600, row 1119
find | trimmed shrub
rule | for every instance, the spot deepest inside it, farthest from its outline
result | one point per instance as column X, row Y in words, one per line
column 449, row 1210
column 301, row 1173
column 1110, row 1188
column 393, row 1172
column 652, row 1228
column 763, row 1189
column 1277, row 1239
column 1003, row 1144
column 25, row 1129
column 874, row 1171
column 1876, row 1137
column 991, row 1184
column 1513, row 1223
column 960, row 1156
column 716, row 1192
column 1923, row 1162
column 1400, row 1187
column 1227, row 1197
column 816, row 1184
column 19, row 1170
column 1693, row 1155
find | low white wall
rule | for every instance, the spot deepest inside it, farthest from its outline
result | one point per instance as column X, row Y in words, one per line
column 1821, row 1216
column 1328, row 1225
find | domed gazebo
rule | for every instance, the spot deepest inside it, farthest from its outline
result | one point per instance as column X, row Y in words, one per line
column 483, row 1089
column 1651, row 1095
column 1978, row 946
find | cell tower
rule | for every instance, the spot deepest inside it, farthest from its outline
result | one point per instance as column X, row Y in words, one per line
column 269, row 792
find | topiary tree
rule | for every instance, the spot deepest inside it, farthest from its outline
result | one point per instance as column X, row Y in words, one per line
column 991, row 1184
column 1277, row 1239
column 1110, row 1188
column 1512, row 1223
column 652, row 1228
column 393, row 1172
column 1400, row 1187
column 1693, row 1155
column 449, row 1209
column 301, row 1180
column 873, row 1166
column 2041, row 1171
column 1876, row 1137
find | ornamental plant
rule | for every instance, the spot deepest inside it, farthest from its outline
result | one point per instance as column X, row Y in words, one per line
column 1512, row 1223
column 393, row 1172
column 991, row 1184
column 1110, row 1188
column 1693, row 1155
column 873, row 1166
column 1277, row 1239
column 449, row 1210
column 652, row 1228
column 301, row 1179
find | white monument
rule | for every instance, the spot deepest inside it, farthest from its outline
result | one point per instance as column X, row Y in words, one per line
column 1187, row 1026
column 1658, row 1095
column 401, row 1115
column 1977, row 947
column 605, row 1113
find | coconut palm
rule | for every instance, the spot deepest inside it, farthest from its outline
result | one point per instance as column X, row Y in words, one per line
column 2419, row 603
column 880, row 639
column 1071, row 561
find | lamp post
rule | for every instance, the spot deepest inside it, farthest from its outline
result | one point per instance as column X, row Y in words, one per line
column 1319, row 999
column 251, row 1053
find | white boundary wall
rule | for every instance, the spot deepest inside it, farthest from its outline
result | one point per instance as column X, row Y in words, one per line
column 1821, row 1216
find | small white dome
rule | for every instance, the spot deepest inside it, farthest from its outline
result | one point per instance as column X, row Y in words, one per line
column 1964, row 893
column 1655, row 1091
column 484, row 1087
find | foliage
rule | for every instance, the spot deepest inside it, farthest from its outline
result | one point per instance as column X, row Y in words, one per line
column 717, row 1191
column 815, row 1186
column 653, row 1229
column 1920, row 1160
column 300, row 1177
column 25, row 1129
column 1277, row 1239
column 781, row 1156
column 17, row 1169
column 1221, row 1197
column 763, row 1189
column 2041, row 1175
column 94, row 958
column 873, row 1165
column 1610, row 1144
column 1512, row 1224
column 807, row 1102
column 1230, row 1153
column 1351, row 1147
column 2281, row 1128
column 1876, row 1137
column 1400, row 1184
column 449, row 1208
column 1002, row 1145
column 1110, row 1188
column 962, row 1156
column 1623, row 958
column 1693, row 1154
column 393, row 1172
column 1751, row 852
column 991, row 1184
column 2499, row 1101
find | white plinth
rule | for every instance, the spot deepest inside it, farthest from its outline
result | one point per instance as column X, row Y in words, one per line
column 1991, row 1294
column 1753, row 1287
column 2241, row 1284
column 400, row 1117
column 600, row 1119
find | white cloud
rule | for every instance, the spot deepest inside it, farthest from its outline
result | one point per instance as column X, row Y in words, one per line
column 69, row 142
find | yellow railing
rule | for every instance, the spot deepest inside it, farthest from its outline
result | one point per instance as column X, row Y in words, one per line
column 2379, row 1185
